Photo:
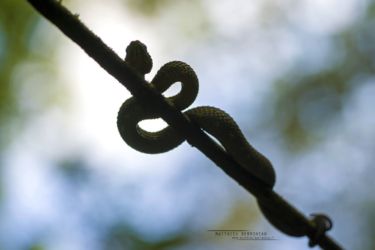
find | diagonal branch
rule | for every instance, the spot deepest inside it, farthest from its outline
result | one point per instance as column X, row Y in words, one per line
column 278, row 211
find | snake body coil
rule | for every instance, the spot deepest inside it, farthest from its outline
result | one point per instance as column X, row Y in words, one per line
column 212, row 120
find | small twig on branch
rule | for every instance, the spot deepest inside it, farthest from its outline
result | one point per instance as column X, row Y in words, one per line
column 278, row 211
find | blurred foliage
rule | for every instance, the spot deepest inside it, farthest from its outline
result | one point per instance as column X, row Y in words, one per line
column 152, row 8
column 26, row 72
column 74, row 169
column 370, row 225
column 26, row 68
column 241, row 216
column 37, row 247
column 305, row 110
column 17, row 21
column 309, row 103
column 190, row 17
column 121, row 237
column 147, row 7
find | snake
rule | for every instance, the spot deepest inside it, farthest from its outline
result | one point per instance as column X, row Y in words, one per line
column 212, row 120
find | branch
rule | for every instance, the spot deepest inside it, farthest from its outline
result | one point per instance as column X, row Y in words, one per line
column 278, row 211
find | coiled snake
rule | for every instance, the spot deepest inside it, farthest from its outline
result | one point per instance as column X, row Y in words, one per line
column 212, row 120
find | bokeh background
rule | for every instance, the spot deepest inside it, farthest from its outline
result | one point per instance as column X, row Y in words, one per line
column 297, row 76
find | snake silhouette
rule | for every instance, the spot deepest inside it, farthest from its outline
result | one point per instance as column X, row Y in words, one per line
column 212, row 120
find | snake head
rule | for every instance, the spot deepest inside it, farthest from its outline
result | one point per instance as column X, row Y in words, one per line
column 138, row 57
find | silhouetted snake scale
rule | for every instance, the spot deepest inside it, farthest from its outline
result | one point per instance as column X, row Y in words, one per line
column 212, row 120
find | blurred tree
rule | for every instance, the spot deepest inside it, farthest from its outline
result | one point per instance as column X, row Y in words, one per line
column 17, row 21
column 26, row 67
column 309, row 103
column 121, row 237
